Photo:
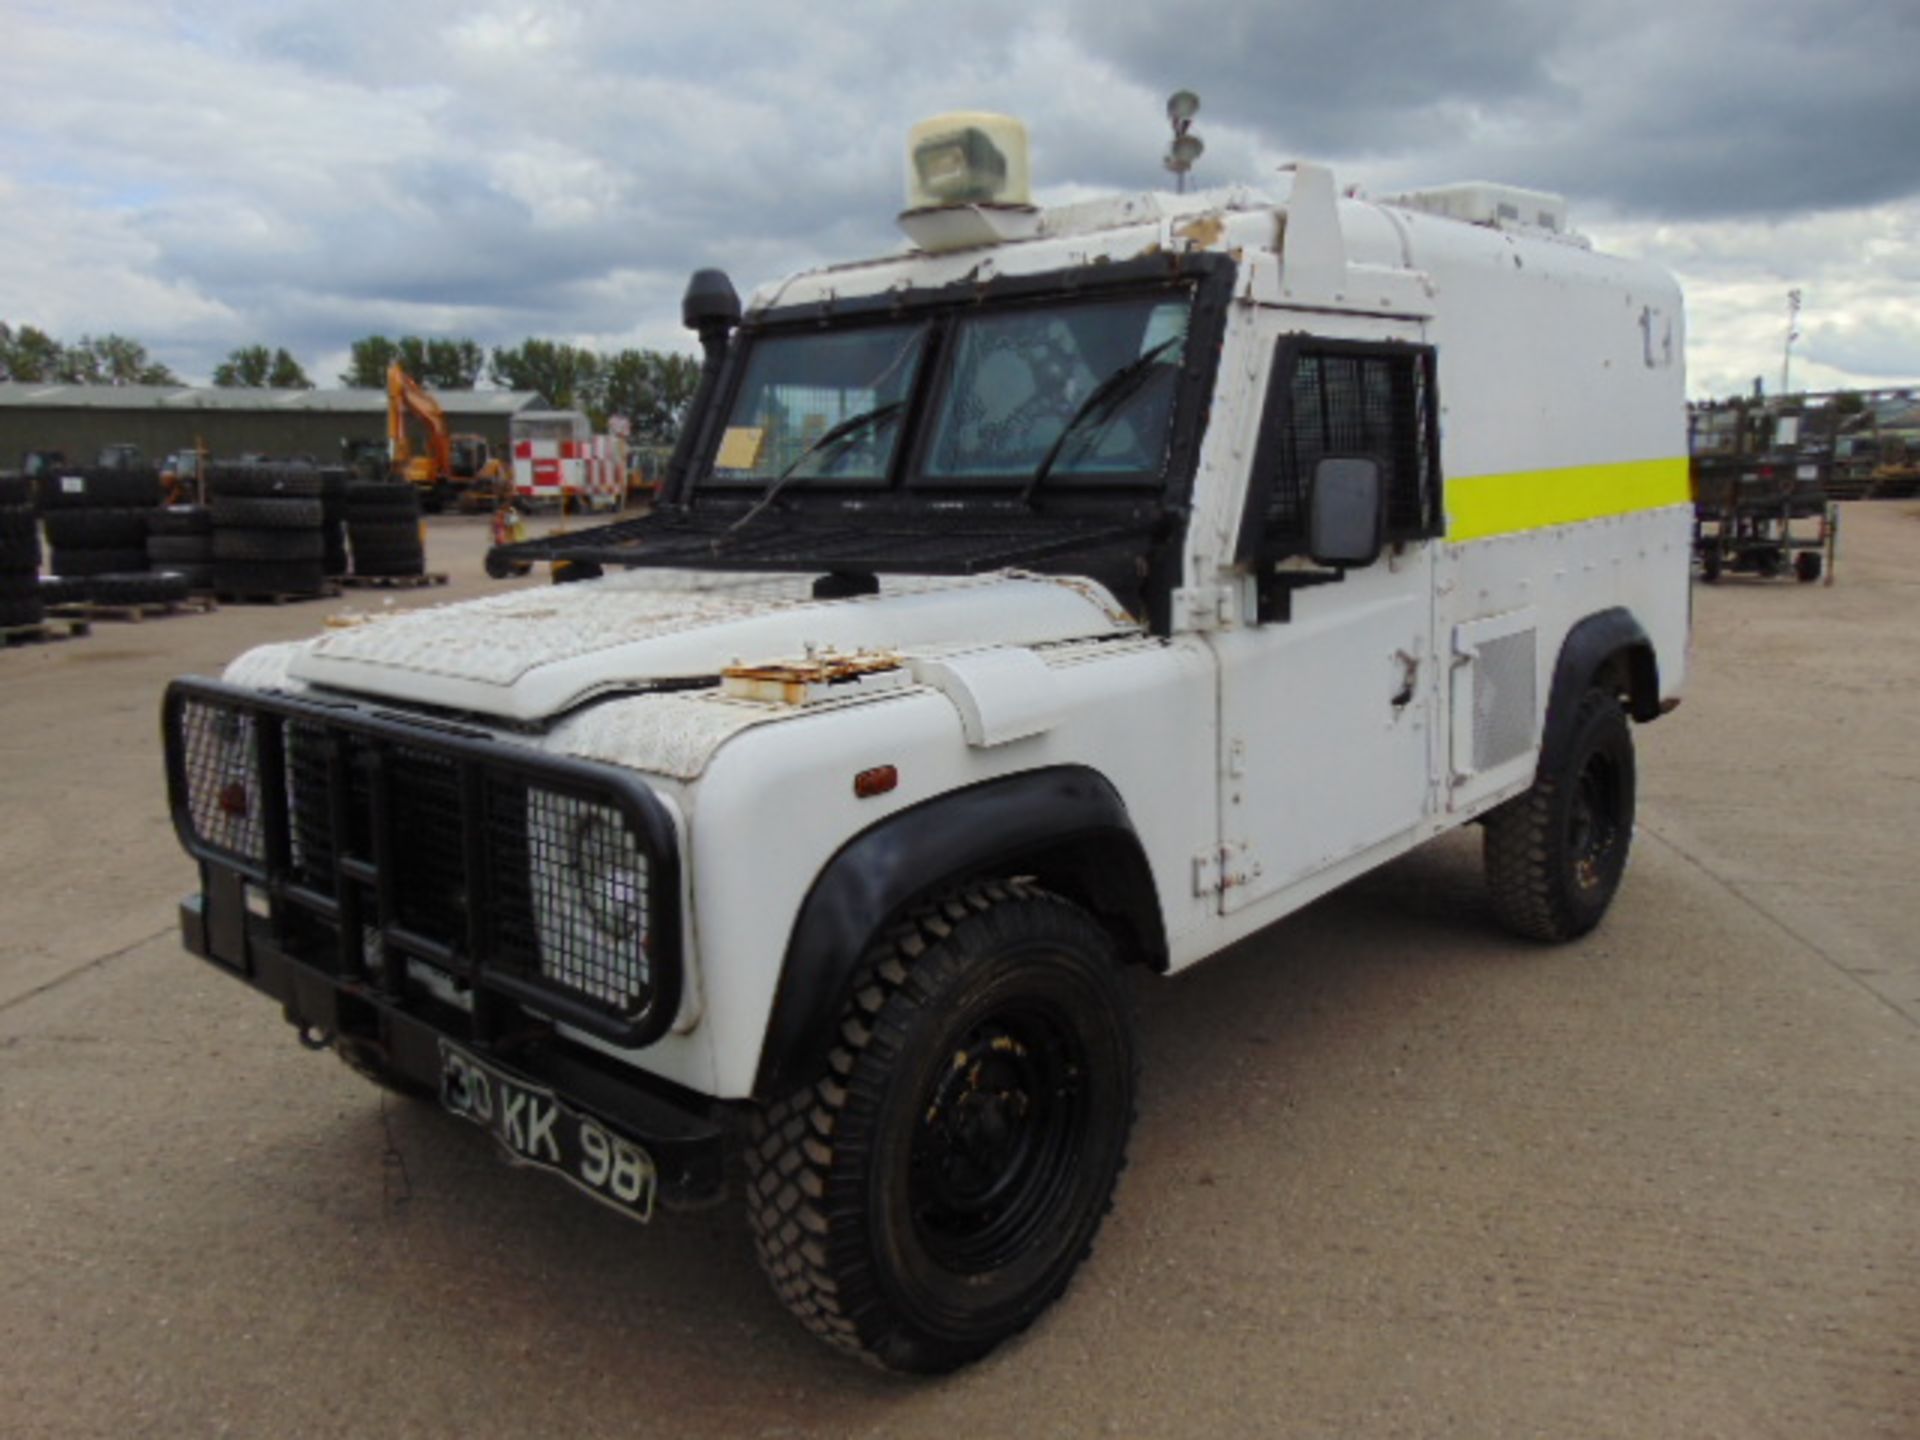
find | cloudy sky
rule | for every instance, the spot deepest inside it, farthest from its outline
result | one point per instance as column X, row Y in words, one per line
column 211, row 173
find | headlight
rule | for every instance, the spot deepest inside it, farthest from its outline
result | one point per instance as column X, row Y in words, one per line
column 612, row 876
column 221, row 755
column 590, row 885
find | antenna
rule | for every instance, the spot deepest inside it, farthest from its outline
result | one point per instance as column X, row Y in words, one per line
column 1793, row 334
column 1186, row 147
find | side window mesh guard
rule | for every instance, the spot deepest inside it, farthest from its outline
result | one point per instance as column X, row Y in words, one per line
column 1333, row 398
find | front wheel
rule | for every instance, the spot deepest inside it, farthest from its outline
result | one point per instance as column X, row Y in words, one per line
column 937, row 1187
column 1554, row 856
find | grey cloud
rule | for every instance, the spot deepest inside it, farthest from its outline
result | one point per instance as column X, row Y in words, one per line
column 1336, row 79
column 322, row 169
column 1713, row 108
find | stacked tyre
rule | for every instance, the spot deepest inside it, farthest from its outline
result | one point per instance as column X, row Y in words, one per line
column 333, row 518
column 180, row 542
column 96, row 520
column 383, row 529
column 138, row 588
column 267, row 538
column 20, row 602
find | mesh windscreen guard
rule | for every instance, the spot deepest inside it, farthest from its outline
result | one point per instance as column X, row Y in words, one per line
column 545, row 877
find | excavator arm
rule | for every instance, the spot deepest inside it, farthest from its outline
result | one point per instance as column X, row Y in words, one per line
column 408, row 397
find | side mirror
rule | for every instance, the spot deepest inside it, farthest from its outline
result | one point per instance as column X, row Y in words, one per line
column 1346, row 514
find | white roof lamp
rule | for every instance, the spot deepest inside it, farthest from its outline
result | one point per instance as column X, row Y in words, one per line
column 968, row 182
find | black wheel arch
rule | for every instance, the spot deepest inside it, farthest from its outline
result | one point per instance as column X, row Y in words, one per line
column 1066, row 826
column 1608, row 649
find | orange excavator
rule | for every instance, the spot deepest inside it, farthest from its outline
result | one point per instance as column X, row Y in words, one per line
column 448, row 466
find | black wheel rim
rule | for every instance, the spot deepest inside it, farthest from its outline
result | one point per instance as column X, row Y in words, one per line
column 1593, row 821
column 995, row 1144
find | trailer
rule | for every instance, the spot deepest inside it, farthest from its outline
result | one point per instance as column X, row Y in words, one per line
column 1759, row 478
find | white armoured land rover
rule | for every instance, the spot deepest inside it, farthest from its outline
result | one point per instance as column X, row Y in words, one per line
column 1076, row 589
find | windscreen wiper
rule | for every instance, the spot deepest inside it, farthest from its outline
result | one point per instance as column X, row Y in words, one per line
column 838, row 435
column 1102, row 400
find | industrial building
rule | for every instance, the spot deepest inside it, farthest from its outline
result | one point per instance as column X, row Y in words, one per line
column 78, row 420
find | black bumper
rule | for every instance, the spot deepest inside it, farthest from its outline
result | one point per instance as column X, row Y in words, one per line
column 400, row 1033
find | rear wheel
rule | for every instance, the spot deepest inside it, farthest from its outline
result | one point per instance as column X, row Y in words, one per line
column 935, row 1190
column 1806, row 566
column 1555, row 855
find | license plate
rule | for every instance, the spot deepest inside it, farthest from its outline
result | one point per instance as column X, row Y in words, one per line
column 535, row 1128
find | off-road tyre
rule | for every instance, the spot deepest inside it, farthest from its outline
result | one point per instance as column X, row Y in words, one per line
column 119, row 529
column 1807, row 566
column 1554, row 856
column 988, row 1031
column 164, row 551
column 146, row 588
column 15, row 613
column 265, row 512
column 19, row 528
column 268, row 545
column 196, row 574
column 292, row 577
column 175, row 520
column 93, row 488
column 65, row 589
column 239, row 480
column 381, row 500
column 98, row 562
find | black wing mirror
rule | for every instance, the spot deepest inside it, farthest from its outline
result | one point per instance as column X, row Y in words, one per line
column 1346, row 513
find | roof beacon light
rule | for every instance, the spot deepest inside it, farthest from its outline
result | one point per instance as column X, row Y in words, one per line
column 968, row 181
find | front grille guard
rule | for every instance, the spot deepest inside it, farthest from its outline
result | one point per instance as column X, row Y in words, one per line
column 367, row 855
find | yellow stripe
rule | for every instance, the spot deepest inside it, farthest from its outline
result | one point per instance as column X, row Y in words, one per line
column 1482, row 505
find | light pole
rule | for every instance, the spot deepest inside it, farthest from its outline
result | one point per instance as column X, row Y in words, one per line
column 1186, row 148
column 1793, row 334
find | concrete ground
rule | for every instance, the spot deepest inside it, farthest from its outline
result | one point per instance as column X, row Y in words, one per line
column 1394, row 1174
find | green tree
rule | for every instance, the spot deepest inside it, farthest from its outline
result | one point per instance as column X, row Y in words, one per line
column 569, row 376
column 111, row 360
column 244, row 369
column 453, row 364
column 253, row 367
column 367, row 361
column 443, row 364
column 28, row 354
column 286, row 373
column 651, row 388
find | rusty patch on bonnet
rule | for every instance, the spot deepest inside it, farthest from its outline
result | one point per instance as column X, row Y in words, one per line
column 1204, row 231
column 796, row 682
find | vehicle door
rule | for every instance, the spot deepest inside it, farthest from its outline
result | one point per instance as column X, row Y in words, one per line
column 1328, row 704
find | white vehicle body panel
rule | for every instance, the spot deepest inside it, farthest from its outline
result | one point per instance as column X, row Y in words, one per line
column 531, row 654
column 1260, row 764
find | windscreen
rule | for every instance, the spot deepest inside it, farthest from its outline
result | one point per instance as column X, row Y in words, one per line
column 799, row 388
column 1020, row 378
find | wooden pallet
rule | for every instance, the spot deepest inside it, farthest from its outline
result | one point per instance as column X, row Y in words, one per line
column 60, row 628
column 330, row 591
column 134, row 613
column 394, row 582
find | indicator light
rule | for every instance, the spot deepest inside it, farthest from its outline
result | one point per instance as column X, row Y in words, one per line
column 877, row 781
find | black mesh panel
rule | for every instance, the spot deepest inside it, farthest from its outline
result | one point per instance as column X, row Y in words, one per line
column 570, row 891
column 1342, row 402
column 220, row 749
